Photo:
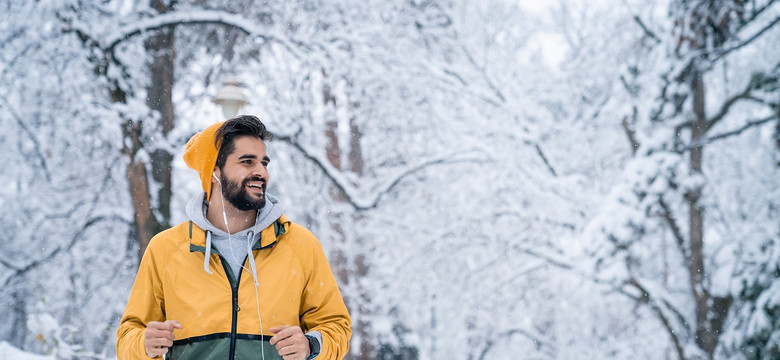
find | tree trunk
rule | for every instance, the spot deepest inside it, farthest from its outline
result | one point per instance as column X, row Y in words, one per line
column 341, row 261
column 777, row 132
column 19, row 327
column 696, row 260
column 145, row 222
column 355, row 152
column 711, row 311
column 159, row 97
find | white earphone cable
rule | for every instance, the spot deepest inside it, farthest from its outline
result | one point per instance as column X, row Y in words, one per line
column 253, row 271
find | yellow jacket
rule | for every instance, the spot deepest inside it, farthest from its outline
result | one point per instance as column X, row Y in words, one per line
column 218, row 313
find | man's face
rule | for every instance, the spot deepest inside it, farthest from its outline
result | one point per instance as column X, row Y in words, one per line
column 244, row 176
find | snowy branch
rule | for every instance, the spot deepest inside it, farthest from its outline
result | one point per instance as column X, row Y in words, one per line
column 646, row 30
column 350, row 191
column 9, row 265
column 665, row 321
column 728, row 104
column 549, row 259
column 747, row 41
column 18, row 271
column 678, row 236
column 546, row 162
column 32, row 137
column 631, row 134
column 748, row 125
column 537, row 339
column 485, row 76
column 171, row 19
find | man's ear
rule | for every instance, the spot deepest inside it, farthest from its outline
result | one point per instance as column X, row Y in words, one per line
column 215, row 175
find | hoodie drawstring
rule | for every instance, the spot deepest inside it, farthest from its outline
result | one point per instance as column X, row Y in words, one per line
column 208, row 253
column 250, row 257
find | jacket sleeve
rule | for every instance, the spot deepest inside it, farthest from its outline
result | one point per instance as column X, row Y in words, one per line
column 145, row 304
column 323, row 308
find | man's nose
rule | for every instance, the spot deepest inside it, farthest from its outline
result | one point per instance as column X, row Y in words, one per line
column 260, row 171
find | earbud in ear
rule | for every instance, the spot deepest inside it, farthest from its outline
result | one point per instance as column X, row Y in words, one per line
column 214, row 175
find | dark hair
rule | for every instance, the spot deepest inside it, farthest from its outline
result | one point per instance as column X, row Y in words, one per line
column 244, row 125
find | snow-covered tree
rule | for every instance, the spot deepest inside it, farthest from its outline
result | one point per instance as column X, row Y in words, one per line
column 682, row 232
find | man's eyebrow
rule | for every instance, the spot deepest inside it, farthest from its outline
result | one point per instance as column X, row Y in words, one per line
column 252, row 156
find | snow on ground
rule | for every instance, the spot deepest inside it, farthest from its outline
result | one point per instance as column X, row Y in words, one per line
column 8, row 352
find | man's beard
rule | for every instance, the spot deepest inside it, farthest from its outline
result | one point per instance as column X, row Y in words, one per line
column 237, row 195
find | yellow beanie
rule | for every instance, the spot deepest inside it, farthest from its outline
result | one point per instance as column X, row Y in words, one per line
column 201, row 155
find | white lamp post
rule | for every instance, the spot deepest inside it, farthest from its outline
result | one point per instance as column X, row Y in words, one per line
column 230, row 97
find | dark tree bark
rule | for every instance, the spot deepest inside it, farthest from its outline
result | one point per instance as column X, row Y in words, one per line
column 703, row 24
column 160, row 47
column 342, row 263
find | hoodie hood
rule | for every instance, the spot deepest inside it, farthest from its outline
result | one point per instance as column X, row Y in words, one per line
column 196, row 212
column 201, row 153
column 234, row 247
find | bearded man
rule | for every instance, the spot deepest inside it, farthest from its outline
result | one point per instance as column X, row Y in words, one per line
column 239, row 280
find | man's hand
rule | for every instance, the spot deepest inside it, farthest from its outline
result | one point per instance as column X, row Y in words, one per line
column 290, row 342
column 158, row 337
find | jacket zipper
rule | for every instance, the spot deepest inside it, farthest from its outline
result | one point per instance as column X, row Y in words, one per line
column 234, row 326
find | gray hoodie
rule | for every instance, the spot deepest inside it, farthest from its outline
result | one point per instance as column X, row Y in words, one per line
column 235, row 247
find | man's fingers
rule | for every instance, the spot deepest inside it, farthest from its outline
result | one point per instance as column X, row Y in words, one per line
column 154, row 325
column 173, row 324
column 155, row 333
column 159, row 342
column 155, row 352
column 287, row 349
column 158, row 337
column 290, row 342
column 278, row 329
column 162, row 329
column 281, row 332
column 167, row 325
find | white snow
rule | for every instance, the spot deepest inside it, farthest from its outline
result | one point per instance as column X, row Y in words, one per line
column 8, row 352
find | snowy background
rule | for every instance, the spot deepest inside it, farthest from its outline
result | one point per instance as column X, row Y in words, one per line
column 493, row 179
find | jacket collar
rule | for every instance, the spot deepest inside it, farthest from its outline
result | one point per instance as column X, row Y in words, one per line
column 268, row 237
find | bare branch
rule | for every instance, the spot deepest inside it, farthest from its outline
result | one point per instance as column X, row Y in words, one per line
column 353, row 194
column 546, row 258
column 9, row 265
column 631, row 134
column 660, row 300
column 9, row 64
column 747, row 41
column 757, row 12
column 171, row 19
column 728, row 104
column 748, row 125
column 32, row 137
column 395, row 180
column 544, row 159
column 59, row 249
column 485, row 76
column 678, row 236
column 536, row 338
column 670, row 330
column 646, row 30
